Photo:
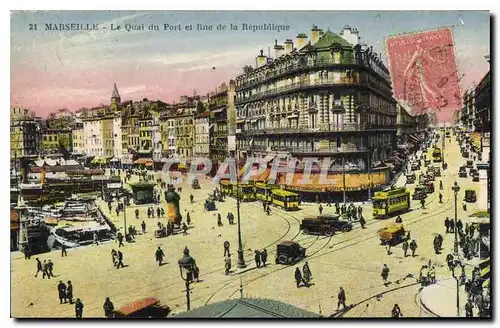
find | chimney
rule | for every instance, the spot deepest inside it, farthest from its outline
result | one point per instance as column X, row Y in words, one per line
column 278, row 49
column 288, row 46
column 261, row 59
column 315, row 33
column 346, row 33
column 301, row 40
column 355, row 36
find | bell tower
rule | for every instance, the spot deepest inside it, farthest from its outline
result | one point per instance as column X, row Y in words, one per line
column 115, row 96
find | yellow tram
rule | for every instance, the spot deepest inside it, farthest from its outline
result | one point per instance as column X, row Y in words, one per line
column 245, row 190
column 285, row 199
column 227, row 188
column 436, row 154
column 390, row 202
column 263, row 191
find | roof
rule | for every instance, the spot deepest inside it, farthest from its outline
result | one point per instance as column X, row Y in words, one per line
column 115, row 93
column 248, row 308
column 135, row 306
column 330, row 38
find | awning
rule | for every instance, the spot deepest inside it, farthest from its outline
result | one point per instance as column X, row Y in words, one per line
column 240, row 121
column 114, row 159
column 143, row 161
column 218, row 110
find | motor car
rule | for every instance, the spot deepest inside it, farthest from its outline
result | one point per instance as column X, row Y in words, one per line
column 475, row 177
column 472, row 172
column 469, row 164
column 462, row 172
column 289, row 252
column 465, row 154
column 415, row 166
column 470, row 196
column 430, row 187
column 196, row 184
column 324, row 225
column 410, row 178
column 420, row 192
column 392, row 234
column 483, row 166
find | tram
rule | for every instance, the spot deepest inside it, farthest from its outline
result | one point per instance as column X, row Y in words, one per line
column 436, row 155
column 389, row 202
column 245, row 190
column 263, row 192
column 285, row 199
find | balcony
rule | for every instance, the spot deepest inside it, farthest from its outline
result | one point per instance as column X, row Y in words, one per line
column 347, row 127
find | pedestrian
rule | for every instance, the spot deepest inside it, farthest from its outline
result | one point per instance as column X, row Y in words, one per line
column 50, row 267
column 78, row 308
column 298, row 277
column 264, row 206
column 413, row 247
column 447, row 224
column 196, row 272
column 452, row 226
column 385, row 274
column 405, row 247
column 39, row 267
column 408, row 236
column 191, row 198
column 137, row 213
column 96, row 242
column 388, row 248
column 159, row 256
column 120, row 260
column 466, row 229
column 149, row 212
column 440, row 185
column 360, row 210
column 109, row 308
column 27, row 252
column 306, row 273
column 114, row 257
column 152, row 212
column 188, row 218
column 117, row 211
column 184, row 229
column 61, row 288
column 362, row 221
column 226, row 248
column 464, row 206
column 257, row 258
column 459, row 225
column 263, row 257
column 162, row 210
column 63, row 250
column 440, row 198
column 69, row 292
column 227, row 264
column 399, row 219
column 469, row 309
column 268, row 210
column 219, row 220
column 158, row 212
column 341, row 298
column 422, row 203
column 143, row 227
column 320, row 209
column 306, row 268
column 396, row 311
column 119, row 236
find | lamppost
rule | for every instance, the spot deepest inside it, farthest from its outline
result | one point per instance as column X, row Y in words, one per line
column 337, row 110
column 186, row 268
column 457, row 279
column 455, row 189
column 241, row 259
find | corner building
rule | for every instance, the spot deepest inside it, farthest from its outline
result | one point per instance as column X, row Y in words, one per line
column 327, row 97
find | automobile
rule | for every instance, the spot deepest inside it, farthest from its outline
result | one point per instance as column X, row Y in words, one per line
column 427, row 162
column 430, row 187
column 465, row 154
column 410, row 178
column 436, row 170
column 149, row 307
column 392, row 234
column 209, row 204
column 289, row 252
column 470, row 196
column 324, row 225
column 472, row 172
column 475, row 177
column 430, row 176
column 469, row 164
column 415, row 166
column 483, row 166
column 422, row 178
column 420, row 192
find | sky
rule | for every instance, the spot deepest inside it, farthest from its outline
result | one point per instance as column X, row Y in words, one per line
column 74, row 69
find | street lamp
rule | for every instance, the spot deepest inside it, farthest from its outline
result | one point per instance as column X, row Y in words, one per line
column 241, row 259
column 186, row 268
column 455, row 189
column 338, row 109
column 457, row 279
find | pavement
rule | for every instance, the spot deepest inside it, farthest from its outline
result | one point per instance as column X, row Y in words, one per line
column 352, row 260
column 433, row 301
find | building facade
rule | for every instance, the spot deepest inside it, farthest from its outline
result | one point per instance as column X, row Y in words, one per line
column 217, row 105
column 482, row 103
column 202, row 135
column 56, row 141
column 330, row 97
column 25, row 134
column 406, row 124
column 78, row 139
column 468, row 112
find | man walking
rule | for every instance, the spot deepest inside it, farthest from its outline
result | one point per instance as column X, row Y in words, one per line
column 188, row 218
column 227, row 263
column 109, row 308
column 44, row 270
column 191, row 198
column 452, row 226
column 320, row 209
column 143, row 226
column 257, row 258
column 63, row 251
column 341, row 298
column 184, row 229
column 413, row 247
column 69, row 292
column 50, row 267
column 39, row 267
column 78, row 308
column 159, row 256
column 385, row 274
column 137, row 214
column 263, row 257
column 61, row 288
column 120, row 239
column 405, row 247
column 120, row 260
column 226, row 248
column 158, row 212
column 305, row 269
column 298, row 277
column 447, row 224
